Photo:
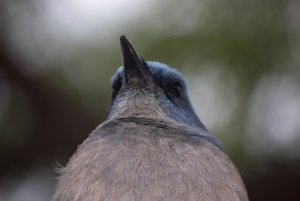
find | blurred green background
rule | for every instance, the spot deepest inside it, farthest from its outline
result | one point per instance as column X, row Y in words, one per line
column 241, row 58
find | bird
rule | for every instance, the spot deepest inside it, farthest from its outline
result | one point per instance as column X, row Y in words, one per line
column 152, row 146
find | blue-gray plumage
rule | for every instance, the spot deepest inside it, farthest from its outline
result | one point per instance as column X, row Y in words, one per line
column 152, row 145
column 173, row 96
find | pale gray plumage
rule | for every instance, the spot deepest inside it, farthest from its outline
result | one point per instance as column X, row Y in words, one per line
column 151, row 147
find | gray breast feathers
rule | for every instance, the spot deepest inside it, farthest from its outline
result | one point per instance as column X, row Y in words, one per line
column 133, row 162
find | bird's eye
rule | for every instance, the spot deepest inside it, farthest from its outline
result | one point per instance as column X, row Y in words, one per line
column 116, row 86
column 114, row 93
column 177, row 89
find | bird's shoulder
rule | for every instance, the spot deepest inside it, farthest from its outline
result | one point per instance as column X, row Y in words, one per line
column 147, row 130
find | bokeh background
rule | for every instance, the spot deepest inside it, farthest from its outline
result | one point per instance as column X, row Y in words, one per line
column 241, row 58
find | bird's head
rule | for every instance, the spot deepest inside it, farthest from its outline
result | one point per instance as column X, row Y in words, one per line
column 150, row 90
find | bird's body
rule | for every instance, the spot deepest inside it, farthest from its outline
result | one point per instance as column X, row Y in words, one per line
column 146, row 160
column 152, row 147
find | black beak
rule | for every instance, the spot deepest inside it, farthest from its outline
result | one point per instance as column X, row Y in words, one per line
column 135, row 70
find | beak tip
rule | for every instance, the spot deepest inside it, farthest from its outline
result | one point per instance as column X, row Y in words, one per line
column 122, row 37
column 123, row 40
column 128, row 52
column 134, row 68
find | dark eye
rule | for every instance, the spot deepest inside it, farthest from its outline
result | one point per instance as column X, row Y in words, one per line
column 114, row 94
column 177, row 89
column 116, row 86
